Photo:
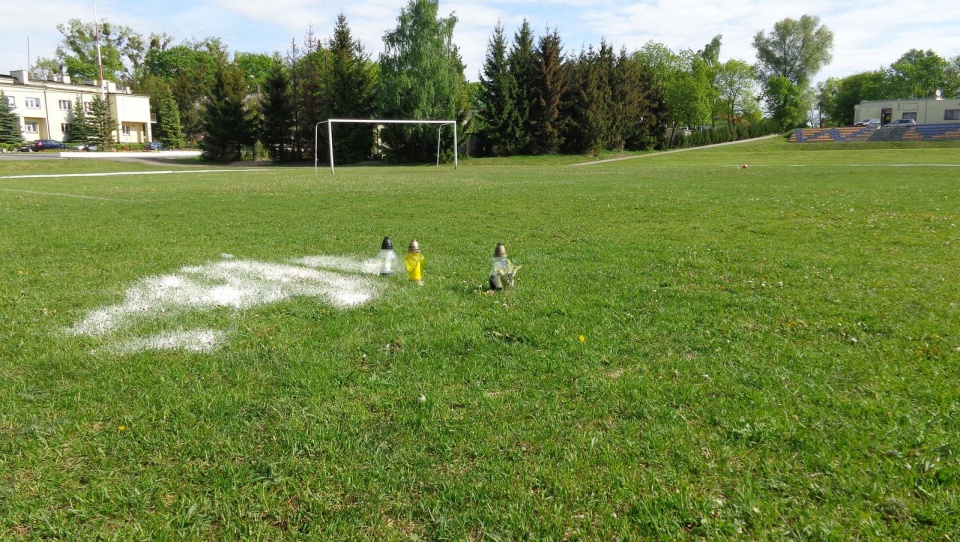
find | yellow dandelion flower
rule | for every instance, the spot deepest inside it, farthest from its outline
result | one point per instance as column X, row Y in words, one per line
column 582, row 339
column 121, row 428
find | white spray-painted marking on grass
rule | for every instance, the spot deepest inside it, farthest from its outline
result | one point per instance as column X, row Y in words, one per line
column 202, row 341
column 235, row 284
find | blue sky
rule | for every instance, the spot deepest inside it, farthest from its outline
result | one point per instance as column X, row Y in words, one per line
column 868, row 34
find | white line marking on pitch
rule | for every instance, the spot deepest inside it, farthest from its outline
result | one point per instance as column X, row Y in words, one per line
column 64, row 195
column 116, row 173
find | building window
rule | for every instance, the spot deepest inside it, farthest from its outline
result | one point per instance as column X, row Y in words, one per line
column 12, row 101
column 88, row 107
column 31, row 127
column 65, row 105
column 912, row 116
column 65, row 127
column 125, row 130
column 951, row 114
column 31, row 103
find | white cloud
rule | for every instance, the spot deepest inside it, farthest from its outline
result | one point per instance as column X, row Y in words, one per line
column 868, row 34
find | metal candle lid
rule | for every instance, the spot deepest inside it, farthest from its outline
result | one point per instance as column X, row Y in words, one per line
column 387, row 244
column 414, row 246
column 500, row 251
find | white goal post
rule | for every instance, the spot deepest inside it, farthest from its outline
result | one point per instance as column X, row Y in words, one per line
column 329, row 123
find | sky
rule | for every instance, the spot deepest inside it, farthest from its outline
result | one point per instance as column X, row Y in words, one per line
column 868, row 34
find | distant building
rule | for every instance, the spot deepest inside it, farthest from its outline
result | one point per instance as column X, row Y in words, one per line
column 45, row 107
column 924, row 111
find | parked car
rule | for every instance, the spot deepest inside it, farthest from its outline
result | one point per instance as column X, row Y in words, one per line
column 153, row 146
column 43, row 145
column 868, row 122
column 903, row 122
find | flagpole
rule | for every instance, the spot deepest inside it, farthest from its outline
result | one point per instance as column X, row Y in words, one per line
column 96, row 23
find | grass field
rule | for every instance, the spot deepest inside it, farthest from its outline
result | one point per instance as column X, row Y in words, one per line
column 693, row 350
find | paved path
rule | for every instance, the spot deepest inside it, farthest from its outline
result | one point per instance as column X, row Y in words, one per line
column 661, row 153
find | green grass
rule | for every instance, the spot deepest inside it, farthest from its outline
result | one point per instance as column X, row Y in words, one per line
column 768, row 354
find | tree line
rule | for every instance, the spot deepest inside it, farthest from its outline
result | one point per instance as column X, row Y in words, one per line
column 532, row 97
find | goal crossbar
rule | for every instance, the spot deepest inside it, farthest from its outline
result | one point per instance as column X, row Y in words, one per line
column 330, row 123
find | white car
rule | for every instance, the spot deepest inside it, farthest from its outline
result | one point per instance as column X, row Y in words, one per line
column 903, row 122
column 868, row 122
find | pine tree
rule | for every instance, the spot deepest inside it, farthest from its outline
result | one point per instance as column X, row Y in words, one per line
column 350, row 94
column 79, row 123
column 100, row 124
column 227, row 124
column 10, row 131
column 522, row 64
column 277, row 126
column 551, row 84
column 498, row 94
column 169, row 129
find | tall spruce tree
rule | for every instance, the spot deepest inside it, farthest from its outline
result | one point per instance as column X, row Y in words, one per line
column 227, row 123
column 522, row 64
column 421, row 77
column 100, row 124
column 551, row 84
column 10, row 131
column 498, row 94
column 589, row 101
column 313, row 75
column 79, row 123
column 169, row 129
column 350, row 94
column 277, row 124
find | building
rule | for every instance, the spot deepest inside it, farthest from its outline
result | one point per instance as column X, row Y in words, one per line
column 44, row 107
column 924, row 111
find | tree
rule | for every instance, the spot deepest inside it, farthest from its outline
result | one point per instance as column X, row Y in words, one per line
column 550, row 87
column 839, row 96
column 796, row 50
column 785, row 101
column 589, row 101
column 630, row 105
column 80, row 127
column 100, row 124
column 169, row 129
column 687, row 88
column 736, row 92
column 190, row 71
column 227, row 124
column 522, row 65
column 121, row 50
column 350, row 94
column 421, row 77
column 918, row 74
column 497, row 99
column 277, row 126
column 10, row 131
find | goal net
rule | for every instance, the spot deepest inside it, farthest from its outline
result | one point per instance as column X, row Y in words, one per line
column 331, row 122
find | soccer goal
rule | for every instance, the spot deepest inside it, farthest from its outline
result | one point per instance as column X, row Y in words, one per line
column 330, row 122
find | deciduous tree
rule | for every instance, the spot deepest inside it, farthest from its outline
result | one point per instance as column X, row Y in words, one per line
column 421, row 77
column 794, row 49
